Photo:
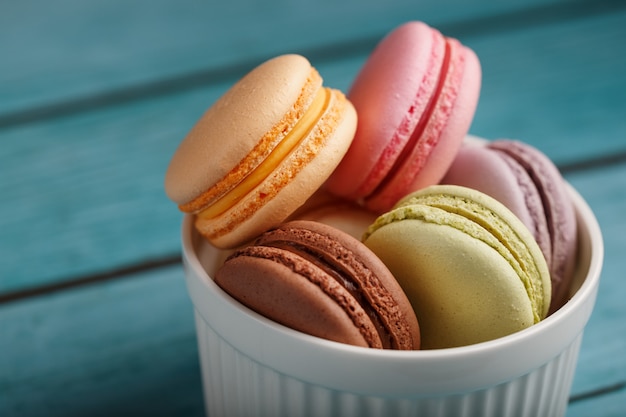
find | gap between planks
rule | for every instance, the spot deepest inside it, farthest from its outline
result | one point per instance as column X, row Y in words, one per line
column 531, row 17
column 604, row 390
column 174, row 259
column 94, row 278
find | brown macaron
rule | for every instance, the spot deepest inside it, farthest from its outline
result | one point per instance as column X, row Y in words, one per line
column 321, row 281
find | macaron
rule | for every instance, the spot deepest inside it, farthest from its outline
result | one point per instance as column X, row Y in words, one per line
column 341, row 214
column 526, row 181
column 260, row 151
column 416, row 96
column 471, row 269
column 321, row 281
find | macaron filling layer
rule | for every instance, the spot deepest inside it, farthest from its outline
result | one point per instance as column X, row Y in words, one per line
column 291, row 140
column 481, row 223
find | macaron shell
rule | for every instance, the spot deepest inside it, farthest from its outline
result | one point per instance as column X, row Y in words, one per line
column 249, row 109
column 345, row 217
column 443, row 135
column 462, row 290
column 559, row 210
column 383, row 92
column 336, row 212
column 482, row 169
column 538, row 222
column 493, row 173
column 278, row 293
column 292, row 182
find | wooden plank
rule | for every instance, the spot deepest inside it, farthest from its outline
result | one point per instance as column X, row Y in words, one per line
column 128, row 346
column 557, row 87
column 118, row 348
column 602, row 353
column 106, row 45
column 85, row 192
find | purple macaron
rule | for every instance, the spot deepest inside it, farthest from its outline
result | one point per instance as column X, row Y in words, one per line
column 530, row 185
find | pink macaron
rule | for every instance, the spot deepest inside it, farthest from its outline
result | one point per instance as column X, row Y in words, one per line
column 530, row 185
column 415, row 97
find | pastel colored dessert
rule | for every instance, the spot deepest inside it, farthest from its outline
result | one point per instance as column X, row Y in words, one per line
column 471, row 269
column 527, row 182
column 416, row 96
column 316, row 279
column 344, row 215
column 260, row 151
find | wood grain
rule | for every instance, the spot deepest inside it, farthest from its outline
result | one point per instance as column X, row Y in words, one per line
column 95, row 97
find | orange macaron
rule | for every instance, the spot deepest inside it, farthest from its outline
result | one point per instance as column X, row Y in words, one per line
column 260, row 151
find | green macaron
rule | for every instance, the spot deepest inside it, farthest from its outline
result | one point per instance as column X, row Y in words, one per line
column 470, row 268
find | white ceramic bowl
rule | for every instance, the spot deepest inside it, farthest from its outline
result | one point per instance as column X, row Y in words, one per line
column 252, row 366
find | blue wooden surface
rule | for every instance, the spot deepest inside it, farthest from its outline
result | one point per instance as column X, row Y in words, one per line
column 95, row 96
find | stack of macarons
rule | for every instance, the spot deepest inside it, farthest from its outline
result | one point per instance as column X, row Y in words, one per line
column 370, row 218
